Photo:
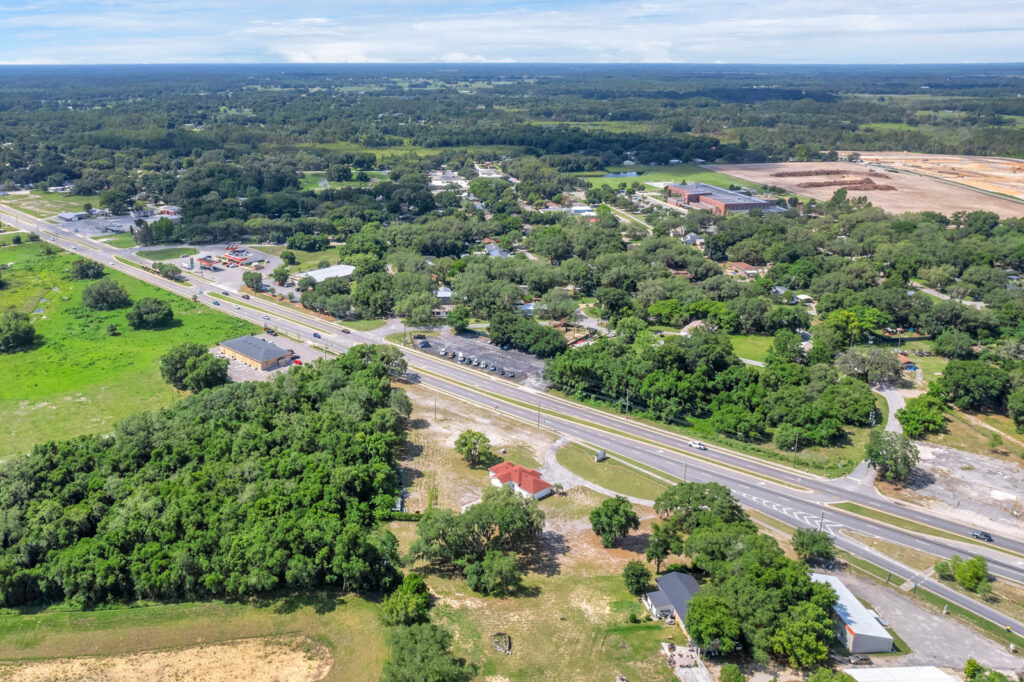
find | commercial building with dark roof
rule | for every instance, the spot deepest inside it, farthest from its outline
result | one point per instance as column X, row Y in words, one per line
column 701, row 196
column 255, row 352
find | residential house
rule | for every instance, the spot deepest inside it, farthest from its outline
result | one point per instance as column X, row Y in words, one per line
column 525, row 482
column 672, row 598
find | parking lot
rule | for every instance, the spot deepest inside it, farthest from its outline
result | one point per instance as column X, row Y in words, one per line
column 523, row 365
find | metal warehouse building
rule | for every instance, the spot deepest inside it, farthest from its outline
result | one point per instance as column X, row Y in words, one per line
column 256, row 353
column 857, row 628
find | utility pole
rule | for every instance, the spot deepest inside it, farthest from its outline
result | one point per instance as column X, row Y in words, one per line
column 821, row 520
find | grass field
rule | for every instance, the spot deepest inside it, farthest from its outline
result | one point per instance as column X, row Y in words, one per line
column 962, row 434
column 80, row 379
column 610, row 473
column 42, row 204
column 305, row 260
column 750, row 346
column 347, row 625
column 683, row 172
column 170, row 253
column 121, row 240
column 7, row 238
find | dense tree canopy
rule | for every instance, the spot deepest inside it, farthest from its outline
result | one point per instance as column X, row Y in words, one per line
column 235, row 490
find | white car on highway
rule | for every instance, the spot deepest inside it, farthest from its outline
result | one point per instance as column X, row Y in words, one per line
column 697, row 445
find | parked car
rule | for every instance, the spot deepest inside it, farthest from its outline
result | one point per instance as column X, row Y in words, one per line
column 419, row 336
column 511, row 374
column 982, row 535
column 859, row 659
column 444, row 352
column 424, row 344
column 296, row 361
column 316, row 335
column 493, row 368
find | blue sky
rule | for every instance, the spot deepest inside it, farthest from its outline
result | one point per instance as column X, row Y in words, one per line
column 784, row 31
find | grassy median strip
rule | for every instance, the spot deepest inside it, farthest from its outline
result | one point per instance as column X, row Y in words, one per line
column 912, row 526
column 139, row 266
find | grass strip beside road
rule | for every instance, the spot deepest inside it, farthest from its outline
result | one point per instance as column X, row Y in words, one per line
column 638, row 439
column 912, row 526
column 611, row 474
column 139, row 266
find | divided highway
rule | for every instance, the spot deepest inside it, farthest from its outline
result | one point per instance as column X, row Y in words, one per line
column 793, row 497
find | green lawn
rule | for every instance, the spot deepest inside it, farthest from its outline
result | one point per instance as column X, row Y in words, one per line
column 42, row 204
column 610, row 473
column 121, row 240
column 683, row 172
column 7, row 238
column 363, row 325
column 305, row 260
column 348, row 626
column 80, row 379
column 170, row 253
column 750, row 346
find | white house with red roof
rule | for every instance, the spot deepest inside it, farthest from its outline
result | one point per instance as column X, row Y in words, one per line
column 526, row 482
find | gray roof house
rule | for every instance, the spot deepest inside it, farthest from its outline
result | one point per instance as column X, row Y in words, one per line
column 672, row 598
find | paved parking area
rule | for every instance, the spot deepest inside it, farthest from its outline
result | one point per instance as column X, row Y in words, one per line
column 524, row 365
column 238, row 371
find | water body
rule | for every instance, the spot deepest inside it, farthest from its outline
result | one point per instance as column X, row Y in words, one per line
column 624, row 174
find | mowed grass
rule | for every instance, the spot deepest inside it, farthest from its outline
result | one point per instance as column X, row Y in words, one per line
column 363, row 325
column 683, row 172
column 121, row 240
column 169, row 253
column 575, row 628
column 80, row 379
column 750, row 346
column 348, row 625
column 305, row 260
column 42, row 204
column 610, row 474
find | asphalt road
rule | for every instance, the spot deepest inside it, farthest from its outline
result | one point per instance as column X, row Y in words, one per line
column 756, row 483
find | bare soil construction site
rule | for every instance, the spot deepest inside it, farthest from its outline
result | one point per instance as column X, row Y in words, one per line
column 895, row 190
column 987, row 173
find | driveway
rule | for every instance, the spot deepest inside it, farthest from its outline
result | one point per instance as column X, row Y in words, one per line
column 934, row 639
column 895, row 401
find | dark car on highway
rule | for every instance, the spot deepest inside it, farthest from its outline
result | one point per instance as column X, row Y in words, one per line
column 981, row 535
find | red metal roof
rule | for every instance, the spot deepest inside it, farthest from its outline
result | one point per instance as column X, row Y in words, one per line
column 527, row 479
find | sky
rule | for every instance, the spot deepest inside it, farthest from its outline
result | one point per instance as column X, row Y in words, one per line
column 574, row 31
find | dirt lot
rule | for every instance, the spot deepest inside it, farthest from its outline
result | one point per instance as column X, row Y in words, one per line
column 989, row 173
column 912, row 192
column 255, row 660
column 976, row 488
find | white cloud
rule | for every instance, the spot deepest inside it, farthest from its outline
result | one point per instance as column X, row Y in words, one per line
column 810, row 31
